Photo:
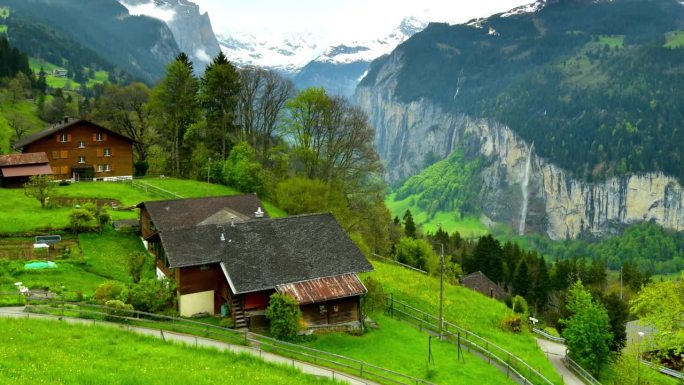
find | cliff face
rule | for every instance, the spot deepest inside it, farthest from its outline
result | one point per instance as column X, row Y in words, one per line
column 518, row 187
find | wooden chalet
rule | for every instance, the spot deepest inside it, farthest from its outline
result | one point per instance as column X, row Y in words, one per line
column 479, row 282
column 78, row 149
column 15, row 169
column 234, row 267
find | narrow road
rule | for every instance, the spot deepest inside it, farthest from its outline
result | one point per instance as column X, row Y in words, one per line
column 190, row 340
column 555, row 352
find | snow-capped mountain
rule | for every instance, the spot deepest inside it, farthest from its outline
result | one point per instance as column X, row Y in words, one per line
column 340, row 68
column 372, row 49
column 191, row 29
column 286, row 53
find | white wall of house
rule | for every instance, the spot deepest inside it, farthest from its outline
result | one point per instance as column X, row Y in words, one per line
column 191, row 304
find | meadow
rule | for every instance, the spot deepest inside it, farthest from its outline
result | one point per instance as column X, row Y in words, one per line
column 468, row 226
column 409, row 354
column 465, row 308
column 49, row 352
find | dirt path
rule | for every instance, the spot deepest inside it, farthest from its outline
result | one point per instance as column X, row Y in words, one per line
column 315, row 370
column 555, row 352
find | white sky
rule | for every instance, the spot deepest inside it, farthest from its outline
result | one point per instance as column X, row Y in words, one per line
column 341, row 20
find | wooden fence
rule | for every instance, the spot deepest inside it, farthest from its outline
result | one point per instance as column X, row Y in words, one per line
column 513, row 365
column 337, row 363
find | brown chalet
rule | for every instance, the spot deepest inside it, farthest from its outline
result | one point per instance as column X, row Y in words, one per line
column 479, row 282
column 78, row 149
column 233, row 267
column 15, row 169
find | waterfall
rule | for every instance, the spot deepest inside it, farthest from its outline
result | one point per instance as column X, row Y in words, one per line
column 525, row 192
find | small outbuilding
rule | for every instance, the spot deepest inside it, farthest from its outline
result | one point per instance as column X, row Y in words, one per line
column 15, row 169
column 479, row 282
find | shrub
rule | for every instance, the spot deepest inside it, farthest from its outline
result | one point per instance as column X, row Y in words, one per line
column 81, row 220
column 110, row 290
column 140, row 168
column 285, row 315
column 519, row 305
column 117, row 309
column 153, row 295
column 375, row 299
column 135, row 263
column 511, row 323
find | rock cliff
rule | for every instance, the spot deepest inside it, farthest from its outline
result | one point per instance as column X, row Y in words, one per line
column 519, row 188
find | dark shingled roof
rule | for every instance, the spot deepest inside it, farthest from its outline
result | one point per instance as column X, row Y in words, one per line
column 263, row 253
column 190, row 212
column 23, row 159
column 479, row 282
column 54, row 129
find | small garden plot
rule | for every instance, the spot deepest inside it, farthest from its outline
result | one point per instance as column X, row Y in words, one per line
column 23, row 249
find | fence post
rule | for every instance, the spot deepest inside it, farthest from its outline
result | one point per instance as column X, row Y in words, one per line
column 392, row 305
column 245, row 337
column 361, row 370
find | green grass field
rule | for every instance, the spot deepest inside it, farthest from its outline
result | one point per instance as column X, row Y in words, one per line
column 465, row 308
column 401, row 347
column 674, row 39
column 468, row 227
column 49, row 352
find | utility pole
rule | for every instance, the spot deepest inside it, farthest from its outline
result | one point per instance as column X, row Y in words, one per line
column 441, row 293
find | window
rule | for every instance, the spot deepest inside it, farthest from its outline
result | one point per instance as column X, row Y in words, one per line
column 322, row 309
column 104, row 168
column 63, row 138
column 107, row 152
column 81, row 159
column 81, row 144
column 99, row 137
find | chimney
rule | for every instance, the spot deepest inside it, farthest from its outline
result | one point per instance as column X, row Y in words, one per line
column 66, row 119
column 259, row 213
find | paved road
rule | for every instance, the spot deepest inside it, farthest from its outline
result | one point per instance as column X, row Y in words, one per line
column 555, row 353
column 315, row 370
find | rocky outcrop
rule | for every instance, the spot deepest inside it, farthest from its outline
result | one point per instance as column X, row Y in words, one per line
column 557, row 204
column 191, row 29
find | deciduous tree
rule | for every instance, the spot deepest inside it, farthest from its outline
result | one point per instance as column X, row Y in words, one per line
column 587, row 330
column 40, row 187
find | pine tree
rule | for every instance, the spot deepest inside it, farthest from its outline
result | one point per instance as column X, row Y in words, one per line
column 409, row 224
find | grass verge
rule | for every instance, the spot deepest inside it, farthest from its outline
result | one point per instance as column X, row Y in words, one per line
column 77, row 354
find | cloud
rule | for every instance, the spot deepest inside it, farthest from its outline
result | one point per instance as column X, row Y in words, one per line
column 149, row 9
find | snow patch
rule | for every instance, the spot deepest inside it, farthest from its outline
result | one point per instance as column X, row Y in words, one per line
column 150, row 9
column 527, row 8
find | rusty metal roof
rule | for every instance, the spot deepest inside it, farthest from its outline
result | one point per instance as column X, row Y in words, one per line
column 38, row 169
column 323, row 289
column 23, row 159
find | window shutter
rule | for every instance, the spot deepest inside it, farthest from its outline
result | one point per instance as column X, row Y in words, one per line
column 100, row 152
column 69, row 138
column 111, row 151
column 57, row 138
column 64, row 154
column 104, row 136
column 55, row 155
column 94, row 137
column 111, row 167
column 55, row 170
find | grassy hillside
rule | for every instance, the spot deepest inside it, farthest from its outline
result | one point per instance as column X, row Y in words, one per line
column 464, row 307
column 51, row 352
column 408, row 347
column 444, row 194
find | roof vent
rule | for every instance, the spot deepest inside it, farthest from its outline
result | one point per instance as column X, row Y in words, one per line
column 232, row 220
column 259, row 213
